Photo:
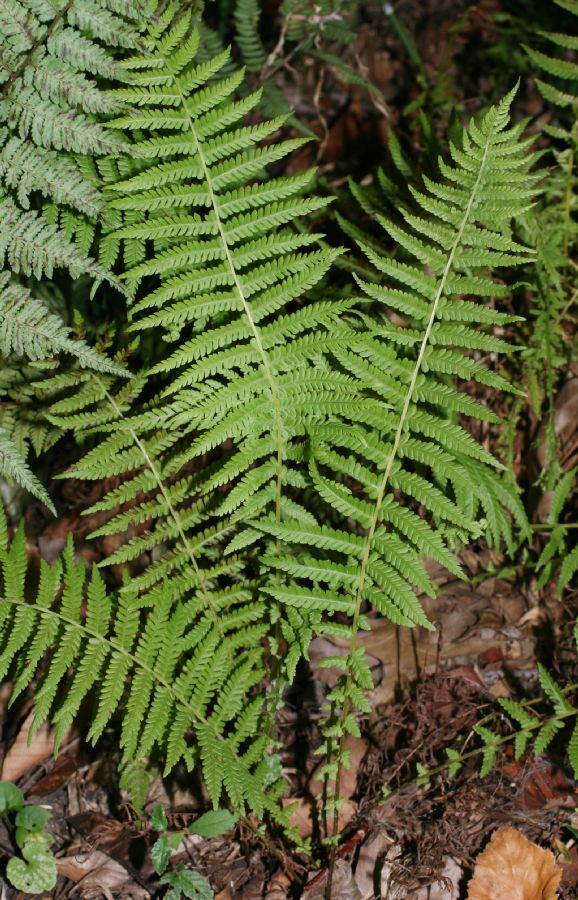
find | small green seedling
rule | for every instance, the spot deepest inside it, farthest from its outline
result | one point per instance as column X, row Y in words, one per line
column 35, row 871
column 181, row 881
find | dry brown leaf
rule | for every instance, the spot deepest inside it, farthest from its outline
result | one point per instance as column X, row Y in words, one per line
column 97, row 875
column 22, row 757
column 279, row 887
column 343, row 886
column 301, row 819
column 370, row 860
column 513, row 867
column 357, row 748
column 565, row 421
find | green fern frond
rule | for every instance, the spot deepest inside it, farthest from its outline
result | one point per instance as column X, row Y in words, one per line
column 555, row 552
column 489, row 749
column 169, row 681
column 563, row 93
column 221, row 247
column 411, row 402
column 573, row 750
column 247, row 15
column 458, row 229
column 216, row 268
column 569, row 569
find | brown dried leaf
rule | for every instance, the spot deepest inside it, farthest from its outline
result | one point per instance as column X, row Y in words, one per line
column 565, row 426
column 279, row 887
column 513, row 867
column 97, row 875
column 370, row 861
column 22, row 756
column 343, row 886
column 301, row 817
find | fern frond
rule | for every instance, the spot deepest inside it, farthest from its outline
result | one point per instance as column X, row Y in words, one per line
column 29, row 329
column 217, row 263
column 221, row 247
column 170, row 681
column 247, row 15
column 33, row 247
column 563, row 92
column 14, row 466
column 458, row 229
column 55, row 56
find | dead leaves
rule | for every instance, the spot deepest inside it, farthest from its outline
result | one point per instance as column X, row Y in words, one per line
column 97, row 875
column 24, row 754
column 343, row 885
column 513, row 867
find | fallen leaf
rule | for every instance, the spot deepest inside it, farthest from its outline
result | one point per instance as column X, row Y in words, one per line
column 370, row 861
column 357, row 748
column 97, row 875
column 61, row 773
column 343, row 886
column 565, row 419
column 22, row 756
column 513, row 867
column 278, row 887
column 301, row 817
column 540, row 784
column 569, row 866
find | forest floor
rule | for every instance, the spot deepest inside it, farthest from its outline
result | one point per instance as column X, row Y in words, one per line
column 430, row 689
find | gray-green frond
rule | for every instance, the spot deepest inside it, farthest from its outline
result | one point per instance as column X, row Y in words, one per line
column 55, row 56
column 28, row 328
column 29, row 245
column 159, row 664
column 13, row 466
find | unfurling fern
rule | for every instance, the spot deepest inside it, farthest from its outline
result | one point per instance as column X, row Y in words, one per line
column 403, row 445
